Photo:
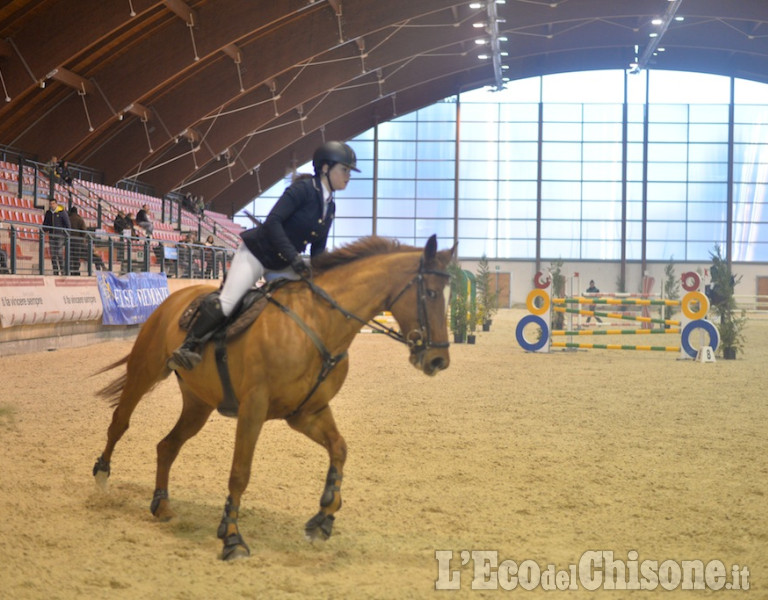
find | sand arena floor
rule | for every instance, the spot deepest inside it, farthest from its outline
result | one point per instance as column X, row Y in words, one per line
column 538, row 457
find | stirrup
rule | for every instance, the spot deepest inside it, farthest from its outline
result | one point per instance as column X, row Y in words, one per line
column 183, row 358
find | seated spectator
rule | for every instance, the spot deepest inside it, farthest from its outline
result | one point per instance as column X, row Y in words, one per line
column 130, row 224
column 119, row 223
column 143, row 220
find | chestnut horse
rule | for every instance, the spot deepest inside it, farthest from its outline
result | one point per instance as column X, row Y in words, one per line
column 288, row 364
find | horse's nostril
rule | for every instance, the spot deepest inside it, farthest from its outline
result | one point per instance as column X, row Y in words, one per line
column 438, row 363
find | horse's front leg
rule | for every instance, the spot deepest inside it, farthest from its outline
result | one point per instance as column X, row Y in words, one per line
column 249, row 422
column 321, row 427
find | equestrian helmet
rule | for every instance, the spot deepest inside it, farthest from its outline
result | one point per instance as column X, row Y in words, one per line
column 332, row 153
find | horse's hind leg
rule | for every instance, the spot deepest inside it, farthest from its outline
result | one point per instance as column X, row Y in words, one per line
column 134, row 386
column 321, row 428
column 194, row 415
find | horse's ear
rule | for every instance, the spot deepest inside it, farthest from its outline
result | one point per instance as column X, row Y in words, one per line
column 430, row 250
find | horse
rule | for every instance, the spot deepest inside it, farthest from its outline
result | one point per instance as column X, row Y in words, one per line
column 288, row 364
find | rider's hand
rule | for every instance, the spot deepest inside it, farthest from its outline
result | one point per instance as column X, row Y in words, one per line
column 300, row 267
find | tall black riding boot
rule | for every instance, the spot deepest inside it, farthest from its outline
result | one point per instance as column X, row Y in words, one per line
column 209, row 317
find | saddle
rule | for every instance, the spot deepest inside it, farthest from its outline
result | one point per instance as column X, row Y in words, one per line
column 245, row 313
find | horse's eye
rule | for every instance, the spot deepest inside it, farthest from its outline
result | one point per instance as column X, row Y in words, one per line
column 432, row 294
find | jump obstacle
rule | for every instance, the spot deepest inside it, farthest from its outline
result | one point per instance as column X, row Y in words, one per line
column 694, row 305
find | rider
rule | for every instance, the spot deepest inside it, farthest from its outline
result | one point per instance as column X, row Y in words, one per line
column 302, row 215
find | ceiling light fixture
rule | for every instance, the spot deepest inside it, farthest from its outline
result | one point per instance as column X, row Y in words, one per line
column 493, row 32
column 650, row 50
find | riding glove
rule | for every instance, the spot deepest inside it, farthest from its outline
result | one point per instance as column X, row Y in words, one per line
column 300, row 267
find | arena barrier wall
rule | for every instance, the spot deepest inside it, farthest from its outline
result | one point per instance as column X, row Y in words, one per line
column 39, row 313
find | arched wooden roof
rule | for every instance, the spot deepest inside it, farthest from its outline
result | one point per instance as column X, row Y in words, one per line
column 198, row 95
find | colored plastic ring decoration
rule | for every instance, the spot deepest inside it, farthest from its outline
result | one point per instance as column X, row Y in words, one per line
column 539, row 284
column 530, row 302
column 714, row 336
column 691, row 297
column 691, row 281
column 538, row 344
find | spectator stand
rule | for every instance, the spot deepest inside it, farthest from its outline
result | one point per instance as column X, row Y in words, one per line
column 22, row 238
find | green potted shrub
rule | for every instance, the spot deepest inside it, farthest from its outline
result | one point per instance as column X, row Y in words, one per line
column 731, row 319
column 487, row 300
column 459, row 322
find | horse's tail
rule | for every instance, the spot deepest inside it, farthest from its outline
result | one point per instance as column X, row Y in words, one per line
column 111, row 392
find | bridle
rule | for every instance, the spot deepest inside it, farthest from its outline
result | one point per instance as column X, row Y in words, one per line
column 418, row 340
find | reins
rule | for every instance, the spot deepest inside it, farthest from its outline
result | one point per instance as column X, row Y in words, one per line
column 417, row 343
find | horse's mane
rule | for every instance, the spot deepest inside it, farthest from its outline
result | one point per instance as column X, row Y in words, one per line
column 366, row 246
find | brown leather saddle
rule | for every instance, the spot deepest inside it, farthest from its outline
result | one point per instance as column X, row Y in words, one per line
column 245, row 314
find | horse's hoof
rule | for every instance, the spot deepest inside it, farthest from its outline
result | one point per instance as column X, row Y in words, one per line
column 101, row 472
column 164, row 513
column 161, row 506
column 101, row 478
column 319, row 527
column 235, row 547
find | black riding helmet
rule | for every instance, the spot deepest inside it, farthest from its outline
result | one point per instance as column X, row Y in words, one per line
column 332, row 153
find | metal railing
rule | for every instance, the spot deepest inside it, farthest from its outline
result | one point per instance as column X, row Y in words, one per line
column 27, row 251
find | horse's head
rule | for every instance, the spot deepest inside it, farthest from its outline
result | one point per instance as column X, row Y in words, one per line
column 420, row 310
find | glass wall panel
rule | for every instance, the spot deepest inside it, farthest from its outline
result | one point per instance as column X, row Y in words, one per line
column 435, row 151
column 510, row 113
column 394, row 169
column 435, row 169
column 555, row 249
column 434, row 209
column 430, row 188
column 511, row 247
column 477, row 228
column 519, row 131
column 519, row 170
column 518, row 151
column 394, row 188
column 474, row 209
column 396, row 208
column 682, row 190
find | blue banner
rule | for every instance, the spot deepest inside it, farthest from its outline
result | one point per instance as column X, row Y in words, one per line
column 130, row 299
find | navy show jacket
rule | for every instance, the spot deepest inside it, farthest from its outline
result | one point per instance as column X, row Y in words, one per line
column 295, row 221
